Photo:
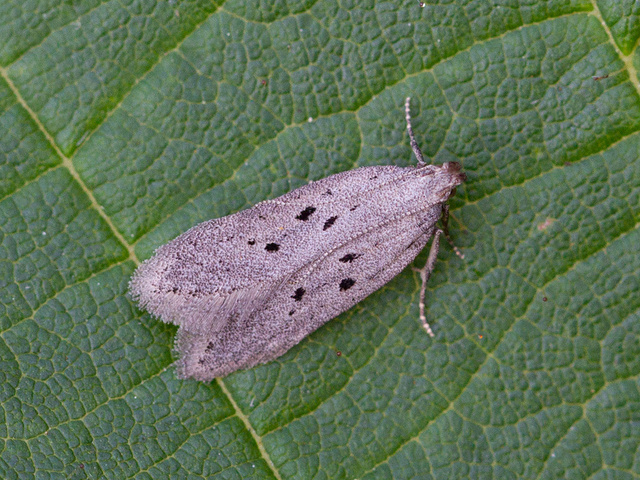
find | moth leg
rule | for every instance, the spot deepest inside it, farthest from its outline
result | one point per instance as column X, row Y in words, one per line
column 414, row 144
column 425, row 273
column 445, row 228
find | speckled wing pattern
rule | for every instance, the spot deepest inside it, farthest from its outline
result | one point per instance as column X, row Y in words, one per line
column 247, row 287
column 224, row 268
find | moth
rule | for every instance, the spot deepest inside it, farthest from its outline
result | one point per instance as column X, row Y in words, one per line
column 247, row 287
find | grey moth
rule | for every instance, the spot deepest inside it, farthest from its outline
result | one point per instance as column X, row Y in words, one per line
column 247, row 287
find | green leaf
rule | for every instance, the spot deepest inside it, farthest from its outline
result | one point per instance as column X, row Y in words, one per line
column 125, row 123
column 623, row 21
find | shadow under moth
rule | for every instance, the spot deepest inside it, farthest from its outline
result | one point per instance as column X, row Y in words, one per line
column 247, row 287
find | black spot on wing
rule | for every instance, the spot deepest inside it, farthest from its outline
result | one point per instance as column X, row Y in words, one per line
column 305, row 214
column 272, row 247
column 350, row 257
column 299, row 293
column 346, row 284
column 251, row 242
column 329, row 222
column 353, row 208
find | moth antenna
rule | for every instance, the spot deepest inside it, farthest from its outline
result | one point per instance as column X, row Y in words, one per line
column 414, row 145
column 425, row 273
column 445, row 228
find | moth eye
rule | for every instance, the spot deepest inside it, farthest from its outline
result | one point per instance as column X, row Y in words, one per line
column 305, row 214
column 346, row 284
column 272, row 247
column 298, row 294
column 329, row 223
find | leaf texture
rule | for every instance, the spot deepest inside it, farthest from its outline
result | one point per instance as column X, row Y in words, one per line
column 125, row 123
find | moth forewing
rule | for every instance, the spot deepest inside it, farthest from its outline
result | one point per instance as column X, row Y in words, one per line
column 224, row 269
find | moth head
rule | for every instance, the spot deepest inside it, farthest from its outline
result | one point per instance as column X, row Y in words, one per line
column 455, row 170
column 451, row 175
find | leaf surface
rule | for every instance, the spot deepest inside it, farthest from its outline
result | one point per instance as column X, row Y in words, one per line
column 126, row 123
